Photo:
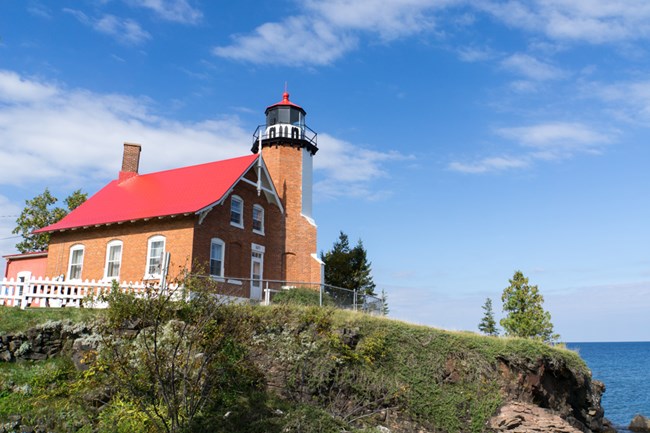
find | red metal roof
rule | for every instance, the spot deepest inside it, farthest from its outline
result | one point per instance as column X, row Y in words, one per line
column 164, row 193
column 285, row 101
column 30, row 254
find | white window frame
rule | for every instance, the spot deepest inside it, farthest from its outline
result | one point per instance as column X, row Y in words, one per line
column 217, row 241
column 240, row 223
column 111, row 244
column 261, row 210
column 150, row 242
column 73, row 249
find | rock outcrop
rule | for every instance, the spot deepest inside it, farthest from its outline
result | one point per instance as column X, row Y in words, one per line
column 46, row 341
column 566, row 392
column 640, row 424
column 518, row 417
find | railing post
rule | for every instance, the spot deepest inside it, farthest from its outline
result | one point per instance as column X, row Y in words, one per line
column 355, row 300
column 320, row 294
column 267, row 295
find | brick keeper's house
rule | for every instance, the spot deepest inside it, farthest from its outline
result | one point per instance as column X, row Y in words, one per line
column 241, row 220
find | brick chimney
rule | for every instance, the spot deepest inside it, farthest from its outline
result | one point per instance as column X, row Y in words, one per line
column 130, row 161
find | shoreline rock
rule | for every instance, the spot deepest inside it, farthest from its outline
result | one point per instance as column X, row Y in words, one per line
column 519, row 417
column 572, row 395
column 639, row 424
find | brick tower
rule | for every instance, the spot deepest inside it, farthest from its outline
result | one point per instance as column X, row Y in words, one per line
column 288, row 148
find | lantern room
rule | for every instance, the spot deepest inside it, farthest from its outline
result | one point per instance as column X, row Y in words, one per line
column 285, row 125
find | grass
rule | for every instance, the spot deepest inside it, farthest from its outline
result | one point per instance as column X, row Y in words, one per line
column 13, row 319
column 39, row 391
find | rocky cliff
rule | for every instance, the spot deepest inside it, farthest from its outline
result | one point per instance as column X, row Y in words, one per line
column 332, row 370
column 546, row 395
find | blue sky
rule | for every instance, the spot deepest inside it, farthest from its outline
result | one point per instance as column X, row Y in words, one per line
column 460, row 140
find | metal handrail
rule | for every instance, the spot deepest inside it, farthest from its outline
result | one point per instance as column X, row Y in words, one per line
column 359, row 301
column 306, row 133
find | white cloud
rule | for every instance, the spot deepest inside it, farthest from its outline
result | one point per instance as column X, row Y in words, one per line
column 592, row 21
column 322, row 31
column 473, row 54
column 295, row 42
column 14, row 88
column 541, row 142
column 630, row 101
column 390, row 19
column 350, row 170
column 531, row 67
column 171, row 10
column 124, row 30
column 73, row 137
column 562, row 138
column 491, row 164
column 39, row 10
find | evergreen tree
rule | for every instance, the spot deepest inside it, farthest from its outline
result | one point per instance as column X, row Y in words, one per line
column 526, row 316
column 348, row 267
column 384, row 303
column 488, row 325
column 38, row 213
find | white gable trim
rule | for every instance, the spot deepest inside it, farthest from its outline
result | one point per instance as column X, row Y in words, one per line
column 269, row 192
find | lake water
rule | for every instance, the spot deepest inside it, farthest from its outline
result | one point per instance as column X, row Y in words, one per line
column 625, row 370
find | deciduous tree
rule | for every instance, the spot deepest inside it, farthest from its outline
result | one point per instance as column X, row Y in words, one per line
column 525, row 314
column 40, row 212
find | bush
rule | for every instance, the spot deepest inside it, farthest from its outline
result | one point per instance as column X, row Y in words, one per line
column 302, row 296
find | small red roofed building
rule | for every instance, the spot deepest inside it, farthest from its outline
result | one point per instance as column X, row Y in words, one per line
column 242, row 219
column 25, row 264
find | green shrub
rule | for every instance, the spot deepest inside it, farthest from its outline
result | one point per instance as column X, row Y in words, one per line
column 302, row 296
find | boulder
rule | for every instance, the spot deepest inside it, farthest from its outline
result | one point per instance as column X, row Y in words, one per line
column 640, row 423
column 518, row 417
column 5, row 356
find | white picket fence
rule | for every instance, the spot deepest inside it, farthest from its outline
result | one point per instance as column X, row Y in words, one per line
column 44, row 292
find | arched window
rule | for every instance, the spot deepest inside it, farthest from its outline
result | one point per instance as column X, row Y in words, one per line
column 155, row 252
column 237, row 211
column 76, row 262
column 113, row 260
column 217, row 254
column 258, row 219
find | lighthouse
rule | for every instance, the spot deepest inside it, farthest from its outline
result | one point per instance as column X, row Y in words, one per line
column 288, row 147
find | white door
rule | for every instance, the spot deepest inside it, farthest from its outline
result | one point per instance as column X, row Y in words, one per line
column 257, row 273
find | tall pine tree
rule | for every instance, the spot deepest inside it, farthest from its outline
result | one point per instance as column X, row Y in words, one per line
column 348, row 267
column 526, row 316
